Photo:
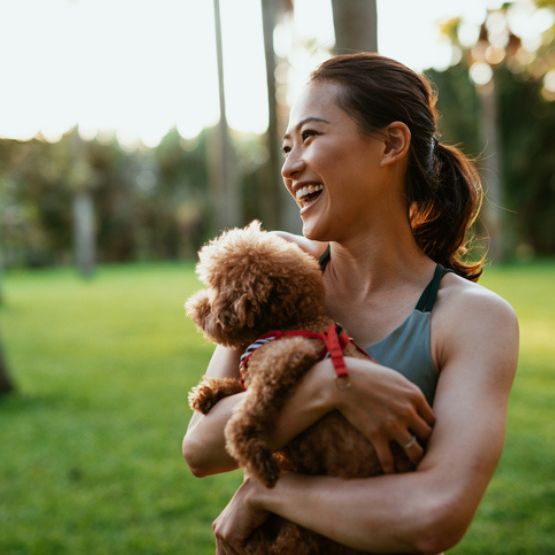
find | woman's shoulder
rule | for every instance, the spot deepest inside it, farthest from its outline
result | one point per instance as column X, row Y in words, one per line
column 468, row 314
column 465, row 298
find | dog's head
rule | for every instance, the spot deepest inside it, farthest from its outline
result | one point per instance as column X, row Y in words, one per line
column 256, row 282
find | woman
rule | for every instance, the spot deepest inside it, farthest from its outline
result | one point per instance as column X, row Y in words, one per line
column 387, row 203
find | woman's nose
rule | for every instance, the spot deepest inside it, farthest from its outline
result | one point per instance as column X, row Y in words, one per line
column 292, row 165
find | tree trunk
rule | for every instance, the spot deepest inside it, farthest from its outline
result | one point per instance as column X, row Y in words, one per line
column 83, row 219
column 6, row 384
column 83, row 208
column 271, row 197
column 489, row 137
column 279, row 210
column 356, row 26
column 226, row 193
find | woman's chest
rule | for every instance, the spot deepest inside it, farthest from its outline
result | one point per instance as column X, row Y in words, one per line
column 368, row 322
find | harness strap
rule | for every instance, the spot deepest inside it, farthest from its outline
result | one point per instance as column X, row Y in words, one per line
column 334, row 339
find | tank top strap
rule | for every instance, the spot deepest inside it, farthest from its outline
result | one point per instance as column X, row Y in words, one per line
column 325, row 258
column 428, row 297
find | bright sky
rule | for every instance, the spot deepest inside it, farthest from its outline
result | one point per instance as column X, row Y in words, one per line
column 139, row 67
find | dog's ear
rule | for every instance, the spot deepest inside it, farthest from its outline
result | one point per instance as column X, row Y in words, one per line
column 222, row 321
column 199, row 309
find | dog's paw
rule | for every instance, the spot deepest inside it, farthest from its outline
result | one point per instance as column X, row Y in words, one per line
column 202, row 398
column 266, row 468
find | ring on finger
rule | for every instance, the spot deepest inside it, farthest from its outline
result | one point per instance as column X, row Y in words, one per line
column 410, row 443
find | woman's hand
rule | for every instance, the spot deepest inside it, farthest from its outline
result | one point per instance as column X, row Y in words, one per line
column 381, row 403
column 238, row 520
column 384, row 406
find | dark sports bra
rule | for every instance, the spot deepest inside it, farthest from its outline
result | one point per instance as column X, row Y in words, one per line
column 407, row 348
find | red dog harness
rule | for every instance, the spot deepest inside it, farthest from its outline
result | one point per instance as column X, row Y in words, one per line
column 334, row 339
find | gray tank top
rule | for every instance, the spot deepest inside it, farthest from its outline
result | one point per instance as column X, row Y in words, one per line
column 407, row 348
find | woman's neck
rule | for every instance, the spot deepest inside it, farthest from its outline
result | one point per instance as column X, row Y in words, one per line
column 378, row 259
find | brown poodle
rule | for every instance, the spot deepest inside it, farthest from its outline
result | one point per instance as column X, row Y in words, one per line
column 256, row 283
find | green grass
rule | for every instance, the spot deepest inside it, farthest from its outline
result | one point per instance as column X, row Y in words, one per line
column 90, row 445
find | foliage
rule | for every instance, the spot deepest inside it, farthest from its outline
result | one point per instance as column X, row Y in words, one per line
column 151, row 204
column 525, row 115
column 528, row 157
column 91, row 459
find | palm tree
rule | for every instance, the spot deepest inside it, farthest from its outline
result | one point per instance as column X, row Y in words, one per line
column 279, row 210
column 356, row 25
column 225, row 180
column 486, row 88
column 80, row 180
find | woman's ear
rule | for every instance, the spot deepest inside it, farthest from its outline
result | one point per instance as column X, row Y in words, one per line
column 397, row 142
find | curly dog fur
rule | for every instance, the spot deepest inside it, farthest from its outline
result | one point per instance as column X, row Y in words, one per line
column 258, row 282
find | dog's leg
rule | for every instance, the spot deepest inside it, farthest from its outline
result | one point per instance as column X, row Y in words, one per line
column 273, row 371
column 210, row 390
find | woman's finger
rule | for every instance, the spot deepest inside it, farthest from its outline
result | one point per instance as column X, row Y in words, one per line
column 412, row 448
column 223, row 548
column 422, row 430
column 384, row 455
column 426, row 411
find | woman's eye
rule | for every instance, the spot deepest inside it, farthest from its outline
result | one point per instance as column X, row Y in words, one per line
column 285, row 150
column 308, row 133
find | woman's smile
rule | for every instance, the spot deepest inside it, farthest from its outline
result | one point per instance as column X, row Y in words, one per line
column 307, row 195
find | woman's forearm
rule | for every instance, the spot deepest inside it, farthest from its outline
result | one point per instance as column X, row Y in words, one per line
column 308, row 402
column 204, row 443
column 388, row 514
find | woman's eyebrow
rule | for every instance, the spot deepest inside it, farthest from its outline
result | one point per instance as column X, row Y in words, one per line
column 301, row 123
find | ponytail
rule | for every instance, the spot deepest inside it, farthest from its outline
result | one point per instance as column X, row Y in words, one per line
column 445, row 200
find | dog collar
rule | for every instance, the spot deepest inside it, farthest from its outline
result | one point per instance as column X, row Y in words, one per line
column 334, row 339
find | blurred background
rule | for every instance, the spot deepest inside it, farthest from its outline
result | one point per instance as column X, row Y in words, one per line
column 133, row 131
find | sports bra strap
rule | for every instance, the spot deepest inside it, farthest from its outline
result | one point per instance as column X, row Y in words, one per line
column 325, row 258
column 428, row 297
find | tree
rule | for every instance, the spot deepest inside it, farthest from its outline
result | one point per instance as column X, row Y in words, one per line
column 499, row 47
column 278, row 210
column 356, row 25
column 225, row 180
column 80, row 181
column 6, row 384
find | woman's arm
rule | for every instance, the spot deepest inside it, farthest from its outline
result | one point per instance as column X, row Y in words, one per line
column 428, row 510
column 383, row 404
column 204, row 443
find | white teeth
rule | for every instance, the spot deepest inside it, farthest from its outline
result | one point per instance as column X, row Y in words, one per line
column 307, row 190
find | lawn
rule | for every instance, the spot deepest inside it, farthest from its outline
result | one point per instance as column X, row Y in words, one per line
column 91, row 442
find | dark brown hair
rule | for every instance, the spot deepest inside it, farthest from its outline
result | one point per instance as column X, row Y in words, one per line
column 443, row 188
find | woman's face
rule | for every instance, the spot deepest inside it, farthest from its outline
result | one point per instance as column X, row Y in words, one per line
column 332, row 170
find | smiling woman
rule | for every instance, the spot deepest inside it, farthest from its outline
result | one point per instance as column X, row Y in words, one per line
column 391, row 205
